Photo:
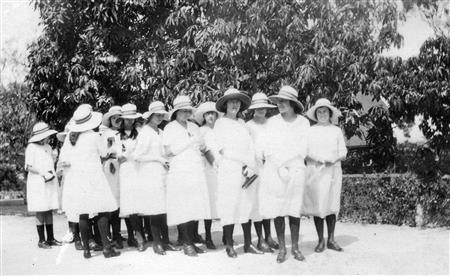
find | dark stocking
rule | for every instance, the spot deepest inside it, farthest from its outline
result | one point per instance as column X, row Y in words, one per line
column 258, row 228
column 228, row 234
column 266, row 225
column 294, row 225
column 137, row 227
column 41, row 233
column 115, row 225
column 184, row 231
column 318, row 222
column 208, row 223
column 331, row 224
column 164, row 229
column 279, row 228
column 155, row 226
column 129, row 229
column 247, row 229
column 103, row 228
column 84, row 230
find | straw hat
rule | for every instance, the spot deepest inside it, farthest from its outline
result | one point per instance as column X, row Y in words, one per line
column 113, row 110
column 260, row 100
column 202, row 109
column 61, row 136
column 156, row 107
column 230, row 94
column 41, row 131
column 181, row 102
column 287, row 93
column 335, row 113
column 129, row 111
column 85, row 119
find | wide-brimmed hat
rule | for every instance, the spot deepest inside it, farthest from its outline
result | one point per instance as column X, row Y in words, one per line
column 287, row 93
column 113, row 110
column 230, row 94
column 85, row 119
column 260, row 100
column 204, row 108
column 41, row 131
column 61, row 136
column 129, row 111
column 322, row 102
column 156, row 107
column 181, row 102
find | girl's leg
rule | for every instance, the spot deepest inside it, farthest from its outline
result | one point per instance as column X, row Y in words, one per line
column 248, row 246
column 318, row 222
column 188, row 244
column 208, row 237
column 136, row 226
column 193, row 229
column 331, row 224
column 40, row 221
column 279, row 227
column 271, row 242
column 115, row 226
column 85, row 228
column 49, row 228
column 197, row 237
column 155, row 227
column 228, row 236
column 294, row 225
column 131, row 240
column 103, row 227
column 262, row 244
column 76, row 235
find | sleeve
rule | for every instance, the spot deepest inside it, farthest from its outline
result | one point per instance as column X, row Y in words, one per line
column 143, row 142
column 30, row 153
column 219, row 143
column 342, row 148
column 303, row 143
column 167, row 135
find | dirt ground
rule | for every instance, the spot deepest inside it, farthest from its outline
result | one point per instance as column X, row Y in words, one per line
column 368, row 249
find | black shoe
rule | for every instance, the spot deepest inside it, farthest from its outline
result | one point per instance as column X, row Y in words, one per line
column 54, row 243
column 109, row 252
column 141, row 247
column 198, row 249
column 199, row 239
column 132, row 242
column 334, row 246
column 87, row 254
column 118, row 244
column 170, row 247
column 263, row 246
column 210, row 245
column 78, row 245
column 272, row 244
column 158, row 249
column 94, row 246
column 282, row 256
column 320, row 247
column 44, row 245
column 231, row 252
column 297, row 254
column 189, row 250
column 252, row 249
column 179, row 243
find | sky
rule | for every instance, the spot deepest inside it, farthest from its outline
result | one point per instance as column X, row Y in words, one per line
column 19, row 26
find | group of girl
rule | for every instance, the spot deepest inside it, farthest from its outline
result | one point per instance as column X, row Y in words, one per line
column 207, row 164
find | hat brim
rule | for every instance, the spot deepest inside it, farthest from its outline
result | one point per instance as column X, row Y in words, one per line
column 148, row 114
column 61, row 136
column 198, row 116
column 94, row 122
column 133, row 116
column 261, row 105
column 173, row 111
column 245, row 100
column 311, row 113
column 106, row 117
column 39, row 137
column 276, row 98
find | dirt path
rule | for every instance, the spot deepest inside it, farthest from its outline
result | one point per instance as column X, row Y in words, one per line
column 369, row 249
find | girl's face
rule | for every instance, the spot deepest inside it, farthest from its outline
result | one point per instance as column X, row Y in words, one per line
column 284, row 106
column 233, row 106
column 323, row 115
column 156, row 119
column 44, row 141
column 260, row 112
column 116, row 121
column 128, row 123
column 183, row 115
column 210, row 117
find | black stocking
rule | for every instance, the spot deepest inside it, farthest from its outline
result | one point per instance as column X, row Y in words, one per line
column 331, row 224
column 318, row 222
column 228, row 234
column 85, row 229
column 247, row 229
column 208, row 223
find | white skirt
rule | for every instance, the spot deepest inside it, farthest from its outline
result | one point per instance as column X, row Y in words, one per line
column 152, row 181
column 41, row 196
column 211, row 180
column 113, row 178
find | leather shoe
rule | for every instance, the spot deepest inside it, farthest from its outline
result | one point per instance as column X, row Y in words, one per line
column 87, row 254
column 297, row 255
column 320, row 247
column 158, row 249
column 189, row 250
column 54, row 243
column 272, row 244
column 210, row 245
column 94, row 246
column 334, row 246
column 231, row 252
column 198, row 249
column 109, row 252
column 282, row 256
column 252, row 249
column 263, row 246
column 179, row 243
column 78, row 245
column 199, row 239
column 132, row 243
column 117, row 244
column 141, row 247
column 170, row 247
column 44, row 245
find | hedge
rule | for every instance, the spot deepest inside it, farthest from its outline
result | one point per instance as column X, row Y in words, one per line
column 395, row 199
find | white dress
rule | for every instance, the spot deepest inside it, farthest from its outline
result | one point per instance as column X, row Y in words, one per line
column 111, row 144
column 151, row 177
column 86, row 189
column 283, row 176
column 64, row 156
column 187, row 192
column 41, row 196
column 257, row 131
column 234, row 203
column 323, row 186
column 210, row 171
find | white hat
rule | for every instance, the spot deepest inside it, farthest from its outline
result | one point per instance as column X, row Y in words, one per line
column 260, row 100
column 113, row 110
column 204, row 108
column 181, row 102
column 85, row 119
column 335, row 113
column 129, row 111
column 156, row 107
column 85, row 105
column 41, row 131
column 287, row 93
column 62, row 135
column 230, row 94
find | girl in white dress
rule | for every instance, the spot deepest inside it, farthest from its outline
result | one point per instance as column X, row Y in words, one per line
column 42, row 184
column 134, row 194
column 187, row 191
column 326, row 150
column 152, row 173
column 235, row 201
column 283, row 177
column 258, row 127
column 86, row 189
column 206, row 116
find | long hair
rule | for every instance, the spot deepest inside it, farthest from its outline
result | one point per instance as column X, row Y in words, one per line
column 73, row 137
column 133, row 134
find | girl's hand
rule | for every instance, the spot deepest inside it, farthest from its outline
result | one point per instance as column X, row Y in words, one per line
column 122, row 159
